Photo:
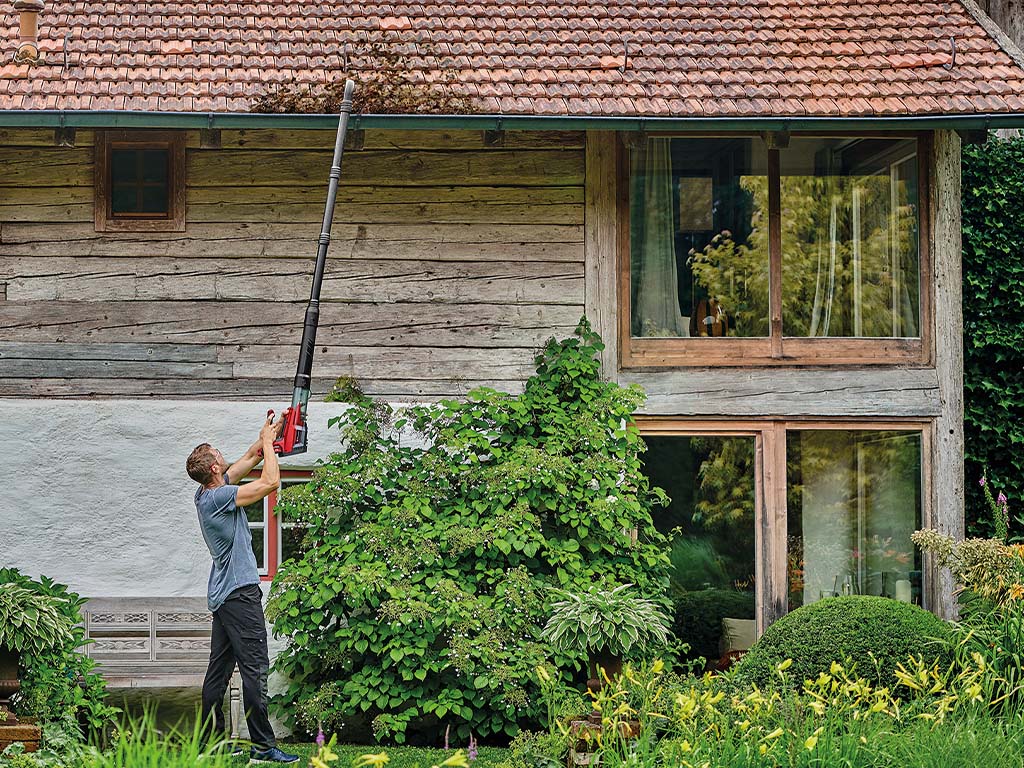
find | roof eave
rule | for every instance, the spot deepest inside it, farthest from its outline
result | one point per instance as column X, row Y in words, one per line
column 240, row 120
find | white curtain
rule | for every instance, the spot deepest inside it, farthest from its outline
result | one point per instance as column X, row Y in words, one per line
column 655, row 292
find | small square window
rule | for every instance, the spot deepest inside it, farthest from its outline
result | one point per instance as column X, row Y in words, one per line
column 140, row 182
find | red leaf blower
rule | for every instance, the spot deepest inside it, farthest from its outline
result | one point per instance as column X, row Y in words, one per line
column 294, row 434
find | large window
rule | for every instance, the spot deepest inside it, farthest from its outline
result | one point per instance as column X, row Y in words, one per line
column 740, row 253
column 772, row 515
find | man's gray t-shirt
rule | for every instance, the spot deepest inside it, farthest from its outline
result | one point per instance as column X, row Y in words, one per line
column 226, row 531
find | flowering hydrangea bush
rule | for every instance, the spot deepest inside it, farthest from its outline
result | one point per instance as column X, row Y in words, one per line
column 433, row 536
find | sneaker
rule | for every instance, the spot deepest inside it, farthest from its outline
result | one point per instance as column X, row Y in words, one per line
column 272, row 755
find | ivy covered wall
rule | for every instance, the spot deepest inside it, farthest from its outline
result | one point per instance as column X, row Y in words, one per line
column 993, row 230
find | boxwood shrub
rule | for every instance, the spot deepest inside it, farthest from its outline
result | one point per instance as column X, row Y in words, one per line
column 875, row 633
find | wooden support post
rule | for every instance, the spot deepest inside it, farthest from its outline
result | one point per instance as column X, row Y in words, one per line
column 948, row 464
column 600, row 244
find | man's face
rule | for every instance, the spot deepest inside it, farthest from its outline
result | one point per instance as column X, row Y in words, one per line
column 219, row 461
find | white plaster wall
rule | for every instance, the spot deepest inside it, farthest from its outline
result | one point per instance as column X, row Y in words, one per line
column 96, row 495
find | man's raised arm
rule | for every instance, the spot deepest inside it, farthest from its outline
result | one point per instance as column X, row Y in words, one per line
column 270, row 477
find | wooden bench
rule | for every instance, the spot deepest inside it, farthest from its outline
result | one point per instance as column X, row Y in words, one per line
column 154, row 642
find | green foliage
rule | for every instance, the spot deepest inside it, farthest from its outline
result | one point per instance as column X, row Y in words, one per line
column 610, row 621
column 58, row 683
column 697, row 617
column 993, row 280
column 30, row 622
column 435, row 535
column 874, row 633
column 695, row 565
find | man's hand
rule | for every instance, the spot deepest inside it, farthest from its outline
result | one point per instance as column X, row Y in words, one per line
column 271, row 429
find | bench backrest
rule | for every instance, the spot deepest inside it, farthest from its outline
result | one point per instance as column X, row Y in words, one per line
column 147, row 635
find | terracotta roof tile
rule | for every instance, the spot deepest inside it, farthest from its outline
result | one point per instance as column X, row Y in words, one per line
column 545, row 57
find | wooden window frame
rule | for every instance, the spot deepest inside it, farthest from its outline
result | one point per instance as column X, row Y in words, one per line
column 771, row 513
column 777, row 349
column 174, row 143
column 272, row 521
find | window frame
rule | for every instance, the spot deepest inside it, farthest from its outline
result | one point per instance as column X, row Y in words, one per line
column 174, row 143
column 776, row 349
column 272, row 523
column 771, row 513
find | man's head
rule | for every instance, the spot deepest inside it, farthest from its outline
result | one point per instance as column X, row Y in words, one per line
column 205, row 463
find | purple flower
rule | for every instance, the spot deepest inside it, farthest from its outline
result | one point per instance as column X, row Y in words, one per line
column 471, row 752
column 982, row 481
column 320, row 736
column 1001, row 499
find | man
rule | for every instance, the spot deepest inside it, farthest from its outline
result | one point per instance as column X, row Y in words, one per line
column 234, row 595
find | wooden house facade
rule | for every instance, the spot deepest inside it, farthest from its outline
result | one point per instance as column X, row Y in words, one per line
column 765, row 231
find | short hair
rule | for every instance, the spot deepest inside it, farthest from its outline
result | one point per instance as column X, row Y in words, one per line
column 199, row 463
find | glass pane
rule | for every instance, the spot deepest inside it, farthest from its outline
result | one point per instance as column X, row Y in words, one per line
column 258, row 548
column 711, row 484
column 124, row 199
column 850, row 260
column 154, row 199
column 854, row 498
column 124, row 166
column 254, row 512
column 154, row 165
column 699, row 238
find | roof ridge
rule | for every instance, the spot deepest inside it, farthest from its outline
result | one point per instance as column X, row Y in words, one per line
column 1004, row 41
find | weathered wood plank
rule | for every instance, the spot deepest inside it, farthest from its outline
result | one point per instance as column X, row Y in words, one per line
column 166, row 353
column 216, row 322
column 47, row 204
column 236, row 389
column 155, row 279
column 752, row 393
column 16, row 368
column 40, row 137
column 471, row 242
column 399, row 205
column 46, row 167
column 260, row 138
column 378, row 167
column 355, row 205
column 385, row 363
column 947, row 488
column 383, row 139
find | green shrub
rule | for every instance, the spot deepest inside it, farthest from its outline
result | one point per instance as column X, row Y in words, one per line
column 58, row 683
column 697, row 617
column 875, row 633
column 419, row 600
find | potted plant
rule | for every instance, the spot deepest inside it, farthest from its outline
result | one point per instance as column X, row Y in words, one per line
column 30, row 623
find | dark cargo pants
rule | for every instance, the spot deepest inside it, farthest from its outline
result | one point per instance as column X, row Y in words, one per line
column 239, row 636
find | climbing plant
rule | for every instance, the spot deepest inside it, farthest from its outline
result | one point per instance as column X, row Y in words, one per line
column 993, row 280
column 417, row 604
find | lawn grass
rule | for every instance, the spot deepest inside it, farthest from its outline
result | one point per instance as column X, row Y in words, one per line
column 399, row 757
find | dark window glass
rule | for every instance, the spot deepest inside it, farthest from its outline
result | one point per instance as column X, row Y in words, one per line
column 258, row 548
column 139, row 183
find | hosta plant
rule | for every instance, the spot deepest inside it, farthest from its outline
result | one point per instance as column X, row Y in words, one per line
column 31, row 622
column 606, row 624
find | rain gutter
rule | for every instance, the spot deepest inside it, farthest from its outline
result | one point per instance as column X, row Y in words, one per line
column 249, row 120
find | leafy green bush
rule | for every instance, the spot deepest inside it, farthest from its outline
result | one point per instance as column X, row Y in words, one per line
column 419, row 600
column 875, row 633
column 31, row 622
column 58, row 683
column 993, row 280
column 697, row 617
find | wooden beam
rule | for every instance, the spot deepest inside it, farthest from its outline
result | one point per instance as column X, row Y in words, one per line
column 601, row 244
column 948, row 468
